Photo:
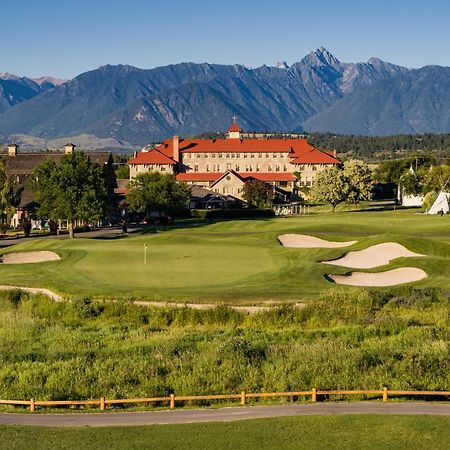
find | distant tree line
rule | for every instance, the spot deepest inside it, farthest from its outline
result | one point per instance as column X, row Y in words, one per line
column 367, row 147
column 382, row 147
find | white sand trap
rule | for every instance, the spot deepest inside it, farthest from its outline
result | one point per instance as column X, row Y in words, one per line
column 305, row 241
column 389, row 278
column 374, row 256
column 29, row 257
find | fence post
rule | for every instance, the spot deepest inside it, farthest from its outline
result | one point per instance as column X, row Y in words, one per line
column 314, row 395
column 385, row 394
column 242, row 398
column 32, row 405
column 102, row 403
column 172, row 401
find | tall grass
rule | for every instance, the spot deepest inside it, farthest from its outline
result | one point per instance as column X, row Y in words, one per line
column 87, row 349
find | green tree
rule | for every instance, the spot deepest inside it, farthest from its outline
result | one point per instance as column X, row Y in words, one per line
column 410, row 183
column 331, row 186
column 9, row 198
column 154, row 191
column 359, row 178
column 436, row 179
column 73, row 190
column 257, row 193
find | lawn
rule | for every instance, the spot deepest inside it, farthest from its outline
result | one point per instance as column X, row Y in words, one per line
column 313, row 432
column 233, row 262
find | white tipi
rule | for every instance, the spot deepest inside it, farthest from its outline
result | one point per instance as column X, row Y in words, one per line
column 441, row 204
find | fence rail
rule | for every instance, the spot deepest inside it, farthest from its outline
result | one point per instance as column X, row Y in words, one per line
column 314, row 393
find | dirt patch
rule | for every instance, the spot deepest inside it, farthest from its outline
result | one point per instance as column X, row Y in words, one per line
column 204, row 306
column 305, row 241
column 389, row 278
column 28, row 257
column 374, row 256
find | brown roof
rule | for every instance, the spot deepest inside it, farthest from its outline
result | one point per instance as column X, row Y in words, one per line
column 25, row 163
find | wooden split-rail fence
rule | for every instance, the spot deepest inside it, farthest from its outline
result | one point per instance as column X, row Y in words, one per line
column 242, row 397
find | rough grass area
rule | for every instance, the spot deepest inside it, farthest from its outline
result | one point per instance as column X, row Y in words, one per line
column 315, row 432
column 88, row 349
column 235, row 261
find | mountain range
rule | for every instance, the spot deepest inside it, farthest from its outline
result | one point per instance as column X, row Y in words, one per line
column 125, row 106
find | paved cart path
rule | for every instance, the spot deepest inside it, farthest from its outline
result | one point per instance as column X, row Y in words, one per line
column 219, row 415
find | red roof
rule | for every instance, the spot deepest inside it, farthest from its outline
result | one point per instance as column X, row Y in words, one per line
column 152, row 157
column 315, row 156
column 297, row 148
column 235, row 128
column 214, row 176
column 199, row 176
column 269, row 176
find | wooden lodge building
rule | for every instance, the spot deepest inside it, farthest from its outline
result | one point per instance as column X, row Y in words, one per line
column 20, row 165
column 224, row 165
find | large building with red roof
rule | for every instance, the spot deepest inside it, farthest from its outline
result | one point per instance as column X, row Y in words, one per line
column 224, row 165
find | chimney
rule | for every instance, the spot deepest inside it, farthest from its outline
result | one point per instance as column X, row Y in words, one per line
column 12, row 149
column 69, row 149
column 176, row 149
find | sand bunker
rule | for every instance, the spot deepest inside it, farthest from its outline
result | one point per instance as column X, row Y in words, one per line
column 374, row 256
column 389, row 278
column 28, row 257
column 305, row 241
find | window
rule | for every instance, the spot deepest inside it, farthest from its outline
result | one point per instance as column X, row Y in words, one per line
column 267, row 155
column 213, row 155
column 308, row 183
column 233, row 155
column 284, row 169
column 236, row 167
column 275, row 155
column 220, row 155
column 228, row 155
column 269, row 168
column 257, row 167
column 207, row 167
column 314, row 168
column 198, row 155
column 238, row 155
column 252, row 155
column 206, row 155
column 302, row 167
column 259, row 155
column 228, row 166
column 195, row 168
column 245, row 155
column 277, row 168
column 163, row 169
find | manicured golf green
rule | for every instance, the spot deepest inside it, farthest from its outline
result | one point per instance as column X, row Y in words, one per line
column 314, row 432
column 237, row 261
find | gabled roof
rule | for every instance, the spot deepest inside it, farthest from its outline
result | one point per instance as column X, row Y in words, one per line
column 314, row 156
column 228, row 173
column 234, row 128
column 152, row 157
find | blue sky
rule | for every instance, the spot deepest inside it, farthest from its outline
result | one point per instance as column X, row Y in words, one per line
column 63, row 39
